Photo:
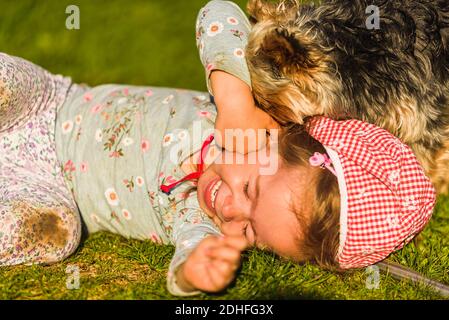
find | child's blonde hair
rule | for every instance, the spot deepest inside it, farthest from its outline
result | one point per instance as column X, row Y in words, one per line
column 319, row 239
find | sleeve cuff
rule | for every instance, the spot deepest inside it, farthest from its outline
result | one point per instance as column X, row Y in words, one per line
column 173, row 287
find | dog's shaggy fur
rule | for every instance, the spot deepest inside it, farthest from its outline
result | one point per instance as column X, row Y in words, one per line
column 322, row 59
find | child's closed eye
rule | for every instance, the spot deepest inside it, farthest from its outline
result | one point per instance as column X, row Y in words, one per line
column 245, row 189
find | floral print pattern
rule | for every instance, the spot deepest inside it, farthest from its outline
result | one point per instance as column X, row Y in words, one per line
column 26, row 90
column 221, row 35
column 232, row 21
column 39, row 221
column 107, row 154
column 115, row 166
column 214, row 28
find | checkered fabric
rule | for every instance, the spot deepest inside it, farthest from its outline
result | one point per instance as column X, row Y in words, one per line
column 386, row 199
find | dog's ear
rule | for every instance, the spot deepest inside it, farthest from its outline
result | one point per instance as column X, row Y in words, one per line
column 288, row 52
column 288, row 71
column 262, row 10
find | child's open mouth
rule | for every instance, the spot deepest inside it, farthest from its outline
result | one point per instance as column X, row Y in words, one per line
column 210, row 194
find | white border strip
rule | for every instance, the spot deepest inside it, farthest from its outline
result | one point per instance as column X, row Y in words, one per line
column 343, row 196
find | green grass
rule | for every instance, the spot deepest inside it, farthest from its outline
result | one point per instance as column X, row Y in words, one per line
column 112, row 267
column 151, row 42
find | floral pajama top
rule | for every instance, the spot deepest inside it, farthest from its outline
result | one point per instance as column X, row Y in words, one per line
column 117, row 144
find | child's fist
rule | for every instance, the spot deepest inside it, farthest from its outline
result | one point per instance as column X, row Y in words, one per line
column 212, row 265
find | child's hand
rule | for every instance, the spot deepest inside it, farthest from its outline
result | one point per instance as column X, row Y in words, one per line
column 237, row 112
column 252, row 119
column 212, row 265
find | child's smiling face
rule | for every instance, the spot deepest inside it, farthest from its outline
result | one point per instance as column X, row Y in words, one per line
column 241, row 200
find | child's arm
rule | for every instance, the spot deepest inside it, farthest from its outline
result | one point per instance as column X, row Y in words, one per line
column 222, row 32
column 236, row 109
column 193, row 233
column 202, row 262
column 187, row 236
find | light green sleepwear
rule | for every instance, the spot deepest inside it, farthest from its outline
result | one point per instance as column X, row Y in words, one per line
column 117, row 144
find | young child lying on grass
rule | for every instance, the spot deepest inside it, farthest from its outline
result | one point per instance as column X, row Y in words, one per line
column 125, row 159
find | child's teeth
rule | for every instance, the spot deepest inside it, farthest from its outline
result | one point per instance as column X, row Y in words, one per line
column 214, row 193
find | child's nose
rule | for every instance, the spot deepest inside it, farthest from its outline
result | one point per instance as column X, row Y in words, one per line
column 231, row 203
column 233, row 211
column 232, row 215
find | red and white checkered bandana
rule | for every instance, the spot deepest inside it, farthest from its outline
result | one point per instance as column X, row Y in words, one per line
column 386, row 199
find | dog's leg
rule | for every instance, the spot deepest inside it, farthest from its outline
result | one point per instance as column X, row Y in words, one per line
column 434, row 159
column 440, row 171
column 435, row 164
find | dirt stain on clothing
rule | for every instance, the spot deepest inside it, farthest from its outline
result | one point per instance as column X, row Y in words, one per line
column 42, row 226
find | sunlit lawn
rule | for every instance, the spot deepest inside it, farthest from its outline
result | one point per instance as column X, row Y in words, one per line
column 152, row 42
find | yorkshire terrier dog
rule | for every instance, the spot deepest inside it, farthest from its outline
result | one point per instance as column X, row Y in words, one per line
column 308, row 59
